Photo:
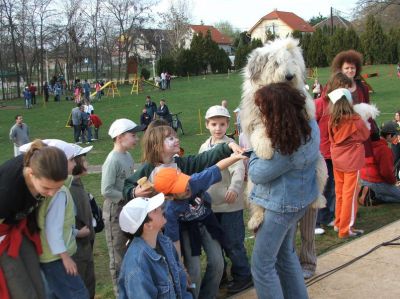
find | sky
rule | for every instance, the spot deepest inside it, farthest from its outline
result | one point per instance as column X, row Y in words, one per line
column 243, row 14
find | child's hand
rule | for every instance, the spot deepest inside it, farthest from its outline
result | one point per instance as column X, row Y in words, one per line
column 235, row 148
column 83, row 232
column 230, row 196
column 69, row 264
column 138, row 191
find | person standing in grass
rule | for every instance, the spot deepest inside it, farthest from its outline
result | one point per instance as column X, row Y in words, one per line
column 96, row 121
column 117, row 167
column 19, row 134
column 27, row 98
column 347, row 132
column 228, row 202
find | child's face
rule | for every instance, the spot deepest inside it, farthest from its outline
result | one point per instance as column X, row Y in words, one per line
column 144, row 110
column 128, row 140
column 171, row 145
column 157, row 218
column 217, row 126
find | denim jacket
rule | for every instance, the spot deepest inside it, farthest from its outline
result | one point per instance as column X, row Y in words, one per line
column 145, row 274
column 287, row 183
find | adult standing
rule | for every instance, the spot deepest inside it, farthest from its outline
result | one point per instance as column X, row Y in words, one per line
column 19, row 134
column 46, row 91
column 350, row 63
column 86, row 89
column 163, row 80
column 24, row 181
column 76, row 115
column 32, row 89
column 285, row 186
column 168, row 80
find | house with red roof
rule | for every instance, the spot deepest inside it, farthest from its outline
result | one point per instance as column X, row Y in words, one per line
column 223, row 41
column 279, row 23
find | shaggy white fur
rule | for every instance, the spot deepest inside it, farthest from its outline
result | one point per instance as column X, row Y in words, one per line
column 278, row 61
column 366, row 111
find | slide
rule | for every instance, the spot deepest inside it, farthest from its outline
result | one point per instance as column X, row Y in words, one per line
column 104, row 86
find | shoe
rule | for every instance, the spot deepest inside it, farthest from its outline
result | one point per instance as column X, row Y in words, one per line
column 94, row 139
column 319, row 231
column 331, row 224
column 237, row 286
column 335, row 228
column 307, row 274
column 79, row 142
column 353, row 233
column 88, row 142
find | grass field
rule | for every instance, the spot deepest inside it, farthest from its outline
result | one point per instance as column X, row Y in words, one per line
column 190, row 96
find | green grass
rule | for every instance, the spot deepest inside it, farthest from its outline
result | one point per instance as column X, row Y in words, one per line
column 189, row 96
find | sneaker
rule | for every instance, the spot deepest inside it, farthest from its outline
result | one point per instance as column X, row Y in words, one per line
column 331, row 224
column 79, row 142
column 353, row 233
column 319, row 231
column 335, row 228
column 307, row 274
column 237, row 286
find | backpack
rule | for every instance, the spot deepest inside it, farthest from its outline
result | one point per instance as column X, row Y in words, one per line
column 98, row 223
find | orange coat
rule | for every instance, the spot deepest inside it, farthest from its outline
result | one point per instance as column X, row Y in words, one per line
column 347, row 149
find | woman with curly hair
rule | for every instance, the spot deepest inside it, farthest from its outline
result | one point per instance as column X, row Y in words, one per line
column 285, row 186
column 350, row 63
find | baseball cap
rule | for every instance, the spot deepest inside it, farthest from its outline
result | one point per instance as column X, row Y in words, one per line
column 135, row 211
column 71, row 150
column 217, row 111
column 170, row 181
column 123, row 125
column 337, row 94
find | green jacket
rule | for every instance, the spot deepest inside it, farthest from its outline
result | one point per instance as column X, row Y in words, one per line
column 188, row 165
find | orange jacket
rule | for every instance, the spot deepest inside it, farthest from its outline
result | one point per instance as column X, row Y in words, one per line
column 347, row 149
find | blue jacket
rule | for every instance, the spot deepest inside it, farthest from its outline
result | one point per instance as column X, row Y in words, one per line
column 145, row 273
column 287, row 183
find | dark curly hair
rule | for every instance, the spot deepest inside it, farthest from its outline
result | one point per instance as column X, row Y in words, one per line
column 283, row 113
column 349, row 56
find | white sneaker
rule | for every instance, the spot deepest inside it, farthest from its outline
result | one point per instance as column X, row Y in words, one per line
column 319, row 231
column 332, row 223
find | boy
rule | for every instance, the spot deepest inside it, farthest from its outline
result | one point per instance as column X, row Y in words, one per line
column 96, row 121
column 117, row 167
column 145, row 118
column 151, row 107
column 191, row 222
column 151, row 260
column 228, row 203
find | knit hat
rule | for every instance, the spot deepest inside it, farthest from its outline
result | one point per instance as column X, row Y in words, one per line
column 170, row 181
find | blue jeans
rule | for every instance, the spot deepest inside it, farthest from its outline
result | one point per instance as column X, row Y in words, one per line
column 61, row 284
column 276, row 270
column 233, row 226
column 327, row 214
column 384, row 192
column 89, row 134
column 207, row 287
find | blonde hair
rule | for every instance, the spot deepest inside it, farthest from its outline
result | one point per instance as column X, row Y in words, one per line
column 153, row 143
column 46, row 161
column 341, row 109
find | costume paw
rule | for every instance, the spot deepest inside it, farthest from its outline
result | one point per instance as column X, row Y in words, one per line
column 261, row 144
column 257, row 217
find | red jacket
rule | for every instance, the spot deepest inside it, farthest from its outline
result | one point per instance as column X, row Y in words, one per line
column 322, row 117
column 347, row 149
column 380, row 167
column 96, row 120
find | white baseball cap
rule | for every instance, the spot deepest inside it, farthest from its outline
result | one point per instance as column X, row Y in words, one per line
column 337, row 94
column 135, row 211
column 71, row 150
column 217, row 111
column 123, row 125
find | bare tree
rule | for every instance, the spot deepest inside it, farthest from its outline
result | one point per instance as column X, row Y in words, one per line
column 176, row 21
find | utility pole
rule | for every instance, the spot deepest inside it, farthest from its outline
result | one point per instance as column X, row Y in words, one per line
column 331, row 20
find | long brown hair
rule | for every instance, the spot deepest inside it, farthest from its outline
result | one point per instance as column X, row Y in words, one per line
column 283, row 113
column 338, row 80
column 341, row 109
column 153, row 143
column 46, row 161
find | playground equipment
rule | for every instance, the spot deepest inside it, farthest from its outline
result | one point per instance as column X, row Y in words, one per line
column 111, row 89
column 137, row 84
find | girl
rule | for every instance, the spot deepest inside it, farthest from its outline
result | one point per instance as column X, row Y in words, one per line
column 84, row 218
column 24, row 181
column 347, row 132
column 161, row 146
column 285, row 186
column 327, row 214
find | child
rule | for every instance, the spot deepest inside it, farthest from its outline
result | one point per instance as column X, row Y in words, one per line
column 96, row 121
column 117, row 167
column 151, row 107
column 57, row 233
column 83, row 218
column 191, row 221
column 347, row 132
column 326, row 215
column 98, row 90
column 151, row 260
column 227, row 201
column 145, row 118
column 161, row 146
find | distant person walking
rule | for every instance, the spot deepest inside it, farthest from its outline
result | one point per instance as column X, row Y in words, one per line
column 32, row 89
column 27, row 98
column 46, row 91
column 19, row 134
